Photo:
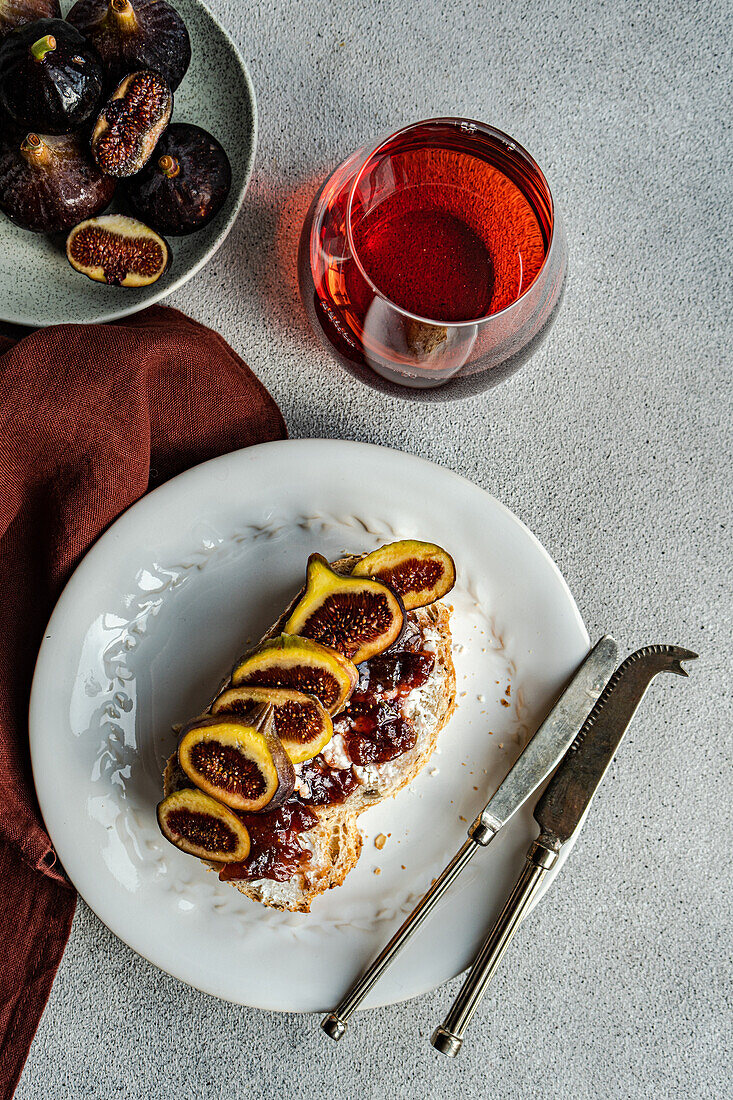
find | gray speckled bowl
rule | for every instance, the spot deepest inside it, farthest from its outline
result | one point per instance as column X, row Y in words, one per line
column 37, row 284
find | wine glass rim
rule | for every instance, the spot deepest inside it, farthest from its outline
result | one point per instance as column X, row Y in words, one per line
column 514, row 147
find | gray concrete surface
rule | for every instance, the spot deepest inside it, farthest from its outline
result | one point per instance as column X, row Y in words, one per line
column 611, row 445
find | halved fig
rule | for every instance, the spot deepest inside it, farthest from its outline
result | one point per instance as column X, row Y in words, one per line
column 131, row 122
column 238, row 761
column 301, row 664
column 419, row 572
column 301, row 723
column 117, row 250
column 201, row 826
column 357, row 617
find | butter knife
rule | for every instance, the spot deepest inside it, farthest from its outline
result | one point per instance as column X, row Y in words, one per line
column 538, row 759
column 560, row 813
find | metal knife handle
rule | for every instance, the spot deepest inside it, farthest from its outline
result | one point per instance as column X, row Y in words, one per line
column 448, row 1038
column 335, row 1023
column 534, row 764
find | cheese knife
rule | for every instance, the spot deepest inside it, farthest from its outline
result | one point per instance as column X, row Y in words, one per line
column 539, row 758
column 560, row 813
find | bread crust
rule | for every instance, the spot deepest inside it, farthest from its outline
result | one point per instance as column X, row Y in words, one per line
column 335, row 841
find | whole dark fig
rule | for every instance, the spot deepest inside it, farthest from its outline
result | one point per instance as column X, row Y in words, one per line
column 14, row 13
column 135, row 34
column 131, row 122
column 51, row 79
column 49, row 183
column 185, row 182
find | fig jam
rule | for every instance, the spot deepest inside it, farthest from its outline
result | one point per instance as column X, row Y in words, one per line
column 327, row 784
column 275, row 852
column 376, row 730
column 392, row 675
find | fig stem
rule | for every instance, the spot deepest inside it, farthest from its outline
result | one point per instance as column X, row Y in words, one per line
column 34, row 149
column 122, row 15
column 43, row 46
column 169, row 166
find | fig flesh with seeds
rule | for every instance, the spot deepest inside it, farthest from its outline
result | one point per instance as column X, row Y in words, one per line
column 117, row 250
column 238, row 761
column 300, row 722
column 48, row 182
column 135, row 34
column 203, row 827
column 51, row 79
column 301, row 664
column 419, row 572
column 356, row 616
column 131, row 122
column 16, row 13
column 185, row 182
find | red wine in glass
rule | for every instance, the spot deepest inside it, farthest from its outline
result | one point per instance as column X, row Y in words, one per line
column 434, row 260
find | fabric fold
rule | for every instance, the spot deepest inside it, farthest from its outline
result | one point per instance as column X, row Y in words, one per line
column 91, row 418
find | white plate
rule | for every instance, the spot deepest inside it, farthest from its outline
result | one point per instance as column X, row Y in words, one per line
column 156, row 613
column 39, row 286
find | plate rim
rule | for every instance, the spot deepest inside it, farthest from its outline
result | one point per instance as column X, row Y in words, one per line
column 126, row 518
column 30, row 321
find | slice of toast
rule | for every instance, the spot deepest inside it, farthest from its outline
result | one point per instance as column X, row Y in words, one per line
column 335, row 841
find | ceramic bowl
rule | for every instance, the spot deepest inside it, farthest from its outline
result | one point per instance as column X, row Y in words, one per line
column 38, row 286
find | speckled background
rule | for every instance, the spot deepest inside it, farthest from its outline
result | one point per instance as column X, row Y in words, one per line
column 613, row 445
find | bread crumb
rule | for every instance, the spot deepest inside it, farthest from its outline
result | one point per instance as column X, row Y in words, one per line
column 461, row 817
column 433, row 771
column 504, row 702
column 475, row 788
column 380, row 841
column 403, row 867
column 481, row 698
column 377, row 870
column 501, row 744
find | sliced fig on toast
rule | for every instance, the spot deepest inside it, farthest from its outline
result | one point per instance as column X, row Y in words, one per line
column 419, row 572
column 238, row 761
column 300, row 721
column 356, row 616
column 302, row 664
column 201, row 826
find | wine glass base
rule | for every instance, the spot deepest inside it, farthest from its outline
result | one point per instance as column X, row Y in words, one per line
column 454, row 389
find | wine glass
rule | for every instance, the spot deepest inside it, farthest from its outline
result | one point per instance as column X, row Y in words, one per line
column 434, row 260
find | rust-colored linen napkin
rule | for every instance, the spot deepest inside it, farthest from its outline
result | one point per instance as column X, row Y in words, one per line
column 91, row 417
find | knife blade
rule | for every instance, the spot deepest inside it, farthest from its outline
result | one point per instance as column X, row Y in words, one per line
column 539, row 757
column 560, row 812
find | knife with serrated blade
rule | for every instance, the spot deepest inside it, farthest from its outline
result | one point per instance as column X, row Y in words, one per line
column 560, row 813
column 538, row 759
